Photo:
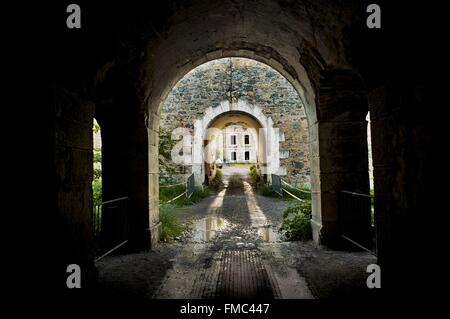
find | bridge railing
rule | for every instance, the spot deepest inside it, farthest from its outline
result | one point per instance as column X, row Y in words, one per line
column 354, row 220
column 110, row 220
column 279, row 187
column 354, row 211
column 110, row 225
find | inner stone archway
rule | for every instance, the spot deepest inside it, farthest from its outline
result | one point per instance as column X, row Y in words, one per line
column 260, row 92
column 264, row 133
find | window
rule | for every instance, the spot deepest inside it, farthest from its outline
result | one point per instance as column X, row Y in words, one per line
column 247, row 155
column 247, row 139
column 233, row 156
column 233, row 139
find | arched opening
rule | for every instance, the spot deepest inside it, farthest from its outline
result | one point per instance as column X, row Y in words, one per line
column 232, row 138
column 243, row 92
column 371, row 180
column 131, row 107
column 97, row 183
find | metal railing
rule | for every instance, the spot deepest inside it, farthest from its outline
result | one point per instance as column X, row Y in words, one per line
column 277, row 187
column 110, row 220
column 97, row 221
column 110, row 225
column 355, row 220
column 189, row 189
column 354, row 214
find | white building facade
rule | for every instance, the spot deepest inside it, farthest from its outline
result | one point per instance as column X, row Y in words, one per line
column 239, row 145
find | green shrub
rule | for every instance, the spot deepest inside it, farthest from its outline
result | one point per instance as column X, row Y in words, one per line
column 305, row 194
column 254, row 174
column 97, row 191
column 266, row 190
column 199, row 194
column 297, row 221
column 168, row 193
column 218, row 173
column 171, row 226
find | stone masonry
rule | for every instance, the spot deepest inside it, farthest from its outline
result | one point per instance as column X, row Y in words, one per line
column 255, row 84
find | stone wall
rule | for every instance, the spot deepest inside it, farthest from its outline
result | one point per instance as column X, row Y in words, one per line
column 255, row 84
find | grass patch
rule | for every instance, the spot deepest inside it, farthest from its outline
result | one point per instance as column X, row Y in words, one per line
column 171, row 226
column 218, row 174
column 305, row 194
column 297, row 221
column 168, row 193
column 199, row 194
column 238, row 164
column 266, row 190
column 254, row 174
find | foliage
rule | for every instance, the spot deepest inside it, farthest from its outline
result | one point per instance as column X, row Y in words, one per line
column 97, row 163
column 98, row 155
column 302, row 194
column 266, row 190
column 254, row 174
column 297, row 221
column 97, row 178
column 97, row 191
column 96, row 126
column 199, row 194
column 168, row 193
column 218, row 173
column 97, row 173
column 171, row 226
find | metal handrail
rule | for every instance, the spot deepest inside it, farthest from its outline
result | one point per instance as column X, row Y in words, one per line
column 115, row 200
column 355, row 193
column 297, row 198
column 301, row 190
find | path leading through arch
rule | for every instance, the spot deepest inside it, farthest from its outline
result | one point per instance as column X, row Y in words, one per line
column 233, row 251
column 232, row 248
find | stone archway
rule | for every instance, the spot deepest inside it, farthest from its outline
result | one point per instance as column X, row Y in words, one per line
column 297, row 76
column 268, row 136
column 317, row 46
column 306, row 56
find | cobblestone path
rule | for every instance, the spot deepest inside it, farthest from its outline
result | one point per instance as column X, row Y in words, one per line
column 234, row 249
